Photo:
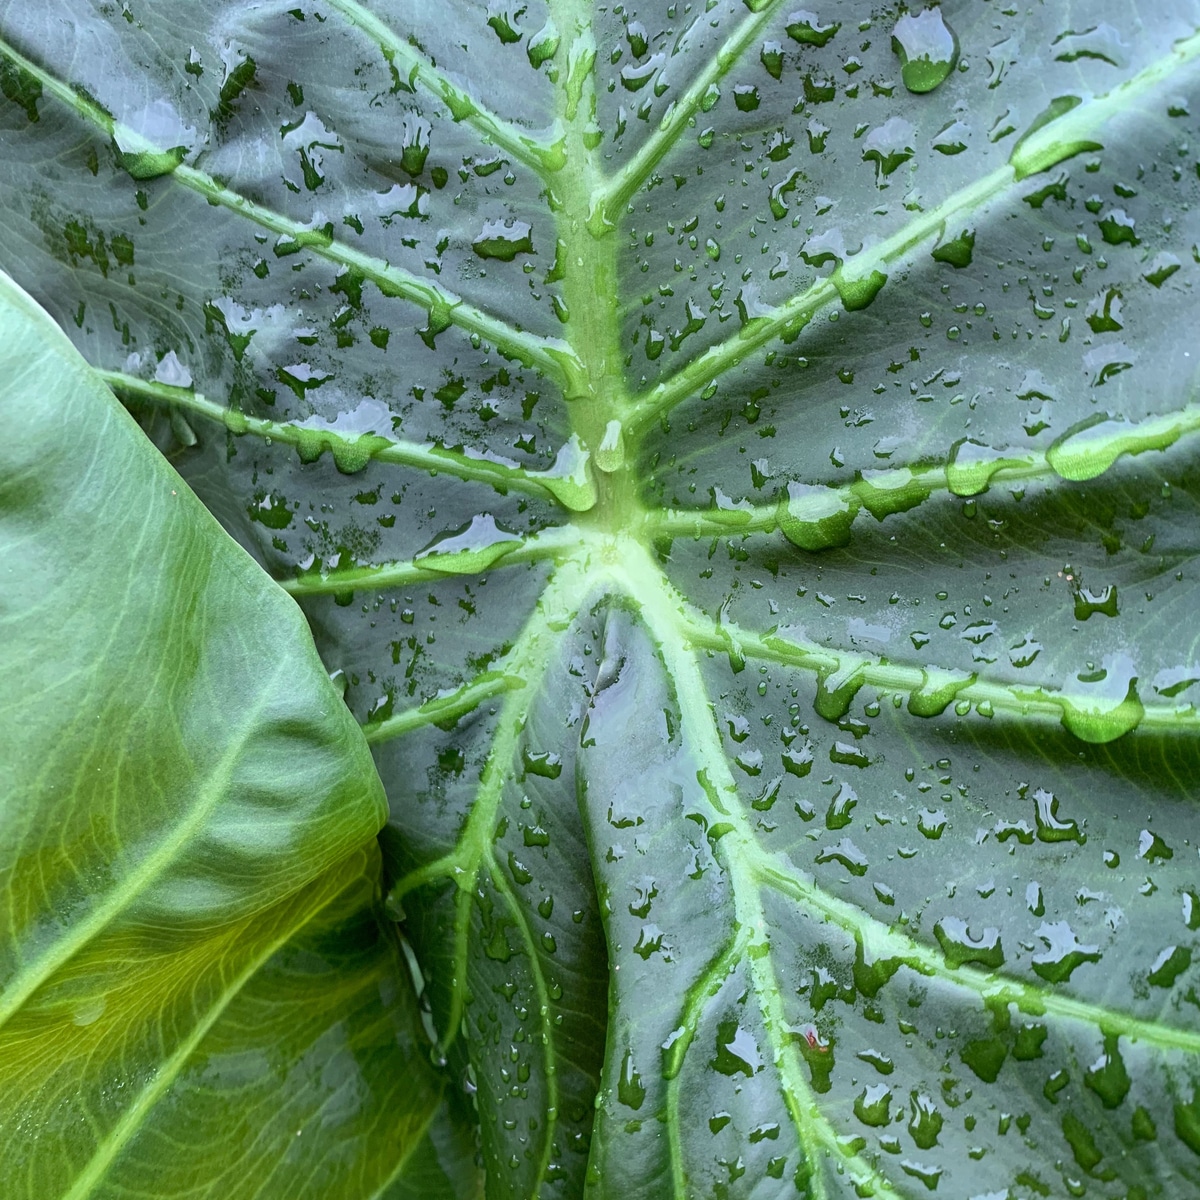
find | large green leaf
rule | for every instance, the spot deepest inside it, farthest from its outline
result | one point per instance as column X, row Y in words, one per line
column 757, row 535
column 196, row 991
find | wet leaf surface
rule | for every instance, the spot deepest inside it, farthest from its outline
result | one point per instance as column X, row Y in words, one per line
column 741, row 462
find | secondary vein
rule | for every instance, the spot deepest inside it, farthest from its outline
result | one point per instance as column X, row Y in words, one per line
column 550, row 355
column 350, row 450
column 542, row 156
column 789, row 318
column 621, row 186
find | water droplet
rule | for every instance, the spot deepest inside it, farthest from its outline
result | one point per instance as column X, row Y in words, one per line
column 1101, row 42
column 880, row 1061
column 610, row 454
column 1089, row 601
column 504, row 240
column 926, row 1122
column 806, row 28
column 570, row 478
column 889, row 146
column 849, row 754
column 544, row 763
column 502, row 17
column 1041, row 146
column 1108, row 706
column 470, row 549
column 873, row 1105
column 841, row 808
column 737, row 1051
column 846, row 853
column 1090, row 447
column 815, row 517
column 957, row 250
column 959, row 946
column 746, row 97
column 1063, row 953
column 543, row 45
column 938, row 688
column 985, row 1056
column 520, row 872
column 951, row 139
column 931, row 823
column 771, row 57
column 1117, row 228
column 1169, row 965
column 892, row 491
column 1050, row 827
column 1107, row 1076
column 972, row 465
column 927, row 49
column 837, row 687
column 630, row 1090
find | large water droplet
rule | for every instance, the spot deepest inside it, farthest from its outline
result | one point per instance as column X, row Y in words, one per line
column 807, row 29
column 927, row 49
column 630, row 1090
column 737, row 1051
column 938, row 688
column 1169, row 965
column 469, row 550
column 570, row 478
column 815, row 517
column 926, row 1122
column 1108, row 705
column 873, row 1105
column 973, row 464
column 959, row 946
column 1063, row 952
column 504, row 240
column 889, row 146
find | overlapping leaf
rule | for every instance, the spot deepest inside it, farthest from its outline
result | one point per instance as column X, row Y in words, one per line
column 759, row 539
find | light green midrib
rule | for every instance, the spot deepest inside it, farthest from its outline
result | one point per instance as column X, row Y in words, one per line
column 131, row 1119
column 1030, row 702
column 549, row 1049
column 555, row 543
column 442, row 708
column 528, row 660
column 148, row 871
column 721, row 359
column 697, row 997
column 659, row 607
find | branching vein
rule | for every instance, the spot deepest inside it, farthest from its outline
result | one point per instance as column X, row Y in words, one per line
column 637, row 170
column 969, row 470
column 351, row 451
column 511, row 550
column 1036, row 153
column 144, row 160
column 412, row 68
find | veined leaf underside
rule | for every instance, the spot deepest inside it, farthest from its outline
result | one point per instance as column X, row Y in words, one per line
column 665, row 923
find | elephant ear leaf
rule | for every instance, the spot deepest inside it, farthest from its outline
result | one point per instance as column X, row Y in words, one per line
column 195, row 993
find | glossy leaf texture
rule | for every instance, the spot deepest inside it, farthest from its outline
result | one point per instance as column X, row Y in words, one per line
column 741, row 458
column 197, row 994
